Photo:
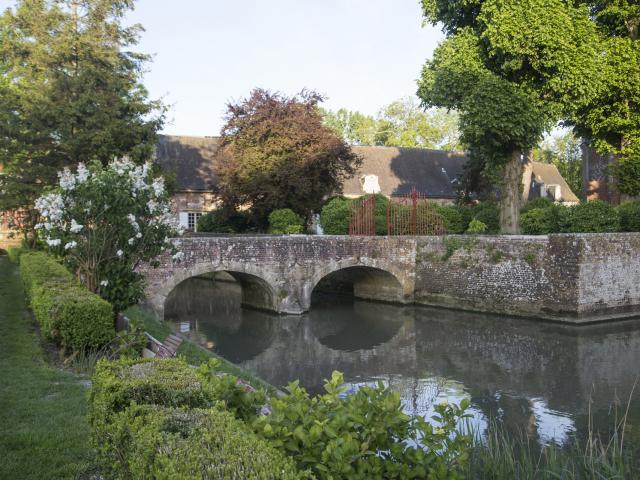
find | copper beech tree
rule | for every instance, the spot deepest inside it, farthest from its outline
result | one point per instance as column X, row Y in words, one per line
column 275, row 152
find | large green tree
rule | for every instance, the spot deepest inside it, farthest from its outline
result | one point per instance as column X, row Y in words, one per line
column 512, row 69
column 70, row 91
column 611, row 120
column 275, row 152
column 402, row 123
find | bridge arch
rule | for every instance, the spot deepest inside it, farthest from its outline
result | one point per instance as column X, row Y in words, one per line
column 371, row 279
column 257, row 291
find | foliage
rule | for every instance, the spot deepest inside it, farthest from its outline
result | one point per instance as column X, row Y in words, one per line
column 611, row 120
column 364, row 434
column 116, row 385
column 335, row 215
column 44, row 431
column 540, row 202
column 476, row 227
column 285, row 221
column 596, row 216
column 164, row 443
column 629, row 213
column 400, row 124
column 454, row 218
column 539, row 221
column 223, row 220
column 512, row 70
column 489, row 214
column 276, row 153
column 380, row 213
column 66, row 312
column 626, row 170
column 563, row 151
column 104, row 222
column 70, row 91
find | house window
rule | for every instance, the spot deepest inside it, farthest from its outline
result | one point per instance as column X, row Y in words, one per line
column 192, row 220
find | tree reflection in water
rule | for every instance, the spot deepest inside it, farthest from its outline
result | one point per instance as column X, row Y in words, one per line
column 538, row 377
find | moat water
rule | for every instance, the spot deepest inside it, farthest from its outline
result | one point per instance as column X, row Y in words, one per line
column 550, row 381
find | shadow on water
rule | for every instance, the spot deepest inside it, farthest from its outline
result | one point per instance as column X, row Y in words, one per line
column 539, row 377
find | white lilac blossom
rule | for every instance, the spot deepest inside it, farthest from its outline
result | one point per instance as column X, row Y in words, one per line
column 132, row 220
column 53, row 242
column 119, row 253
column 51, row 206
column 69, row 245
column 75, row 226
column 121, row 166
column 67, row 179
column 104, row 283
column 138, row 235
column 83, row 174
column 158, row 186
column 131, row 240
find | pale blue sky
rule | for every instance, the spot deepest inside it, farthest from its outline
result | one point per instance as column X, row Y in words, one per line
column 362, row 54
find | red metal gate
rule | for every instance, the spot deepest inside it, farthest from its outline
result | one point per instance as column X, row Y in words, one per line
column 413, row 214
column 362, row 220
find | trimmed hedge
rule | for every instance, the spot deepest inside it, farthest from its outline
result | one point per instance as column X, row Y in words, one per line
column 163, row 443
column 285, row 221
column 67, row 313
column 454, row 218
column 539, row 221
column 629, row 214
column 223, row 221
column 118, row 384
column 594, row 217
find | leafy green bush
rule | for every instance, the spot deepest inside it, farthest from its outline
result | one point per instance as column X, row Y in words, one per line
column 596, row 216
column 163, row 443
column 476, row 227
column 225, row 221
column 539, row 221
column 380, row 213
column 489, row 214
column 364, row 434
column 629, row 213
column 536, row 203
column 285, row 221
column 455, row 220
column 335, row 215
column 67, row 312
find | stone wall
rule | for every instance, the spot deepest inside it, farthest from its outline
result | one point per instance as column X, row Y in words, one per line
column 568, row 277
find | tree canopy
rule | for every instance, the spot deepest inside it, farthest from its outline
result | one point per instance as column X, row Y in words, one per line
column 70, row 91
column 275, row 152
column 512, row 69
column 402, row 123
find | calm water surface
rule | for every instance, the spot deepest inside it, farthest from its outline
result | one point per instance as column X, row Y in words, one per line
column 546, row 379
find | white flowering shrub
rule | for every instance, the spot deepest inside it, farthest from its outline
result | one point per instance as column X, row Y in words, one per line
column 105, row 221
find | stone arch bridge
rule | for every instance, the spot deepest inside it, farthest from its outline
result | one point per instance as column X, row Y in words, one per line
column 279, row 273
column 568, row 277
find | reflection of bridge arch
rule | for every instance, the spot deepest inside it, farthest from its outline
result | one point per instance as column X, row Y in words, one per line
column 256, row 291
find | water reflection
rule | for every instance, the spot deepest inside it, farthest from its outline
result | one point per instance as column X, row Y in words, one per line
column 538, row 377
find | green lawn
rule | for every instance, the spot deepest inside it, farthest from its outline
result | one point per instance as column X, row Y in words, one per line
column 43, row 430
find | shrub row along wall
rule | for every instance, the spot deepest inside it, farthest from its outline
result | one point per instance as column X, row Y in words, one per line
column 573, row 277
column 67, row 312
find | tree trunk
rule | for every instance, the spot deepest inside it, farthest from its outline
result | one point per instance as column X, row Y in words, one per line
column 511, row 195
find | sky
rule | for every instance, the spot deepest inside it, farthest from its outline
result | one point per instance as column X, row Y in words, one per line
column 361, row 54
